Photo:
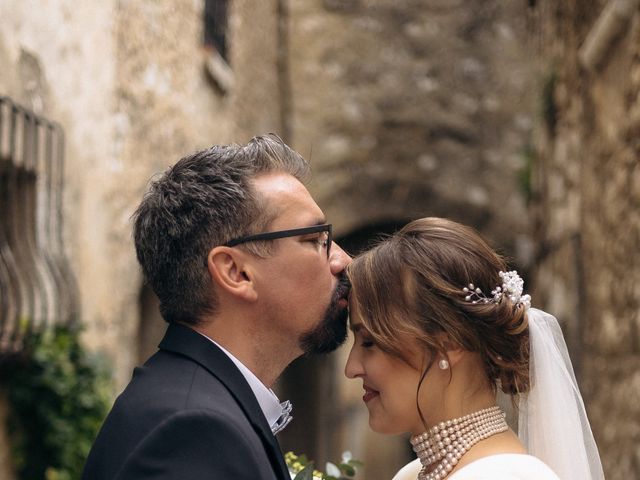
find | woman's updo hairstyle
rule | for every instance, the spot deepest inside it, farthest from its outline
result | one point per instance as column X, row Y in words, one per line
column 410, row 286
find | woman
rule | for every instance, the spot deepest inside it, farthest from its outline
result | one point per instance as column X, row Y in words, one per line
column 440, row 326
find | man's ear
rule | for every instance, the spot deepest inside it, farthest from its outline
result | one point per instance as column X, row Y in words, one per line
column 230, row 269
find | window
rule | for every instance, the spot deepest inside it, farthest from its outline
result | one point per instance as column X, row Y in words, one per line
column 215, row 26
column 216, row 42
column 37, row 285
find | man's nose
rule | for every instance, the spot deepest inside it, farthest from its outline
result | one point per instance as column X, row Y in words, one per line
column 339, row 259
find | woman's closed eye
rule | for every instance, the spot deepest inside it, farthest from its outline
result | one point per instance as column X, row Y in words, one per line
column 367, row 343
column 361, row 336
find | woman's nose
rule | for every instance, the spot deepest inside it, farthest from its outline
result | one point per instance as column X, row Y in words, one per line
column 353, row 367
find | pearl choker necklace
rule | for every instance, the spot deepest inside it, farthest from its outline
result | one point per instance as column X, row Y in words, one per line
column 448, row 441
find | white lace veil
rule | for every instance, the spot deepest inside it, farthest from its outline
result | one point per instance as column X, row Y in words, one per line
column 552, row 421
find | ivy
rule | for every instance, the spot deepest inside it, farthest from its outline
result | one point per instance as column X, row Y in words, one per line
column 525, row 175
column 58, row 396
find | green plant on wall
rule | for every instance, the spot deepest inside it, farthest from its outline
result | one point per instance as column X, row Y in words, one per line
column 526, row 172
column 58, row 396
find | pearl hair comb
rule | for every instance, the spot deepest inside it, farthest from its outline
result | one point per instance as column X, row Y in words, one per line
column 512, row 288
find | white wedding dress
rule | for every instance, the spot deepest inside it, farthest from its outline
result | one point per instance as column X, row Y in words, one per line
column 505, row 466
column 552, row 420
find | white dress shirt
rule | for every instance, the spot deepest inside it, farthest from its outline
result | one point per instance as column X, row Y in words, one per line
column 267, row 399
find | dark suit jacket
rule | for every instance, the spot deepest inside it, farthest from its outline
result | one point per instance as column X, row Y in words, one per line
column 188, row 413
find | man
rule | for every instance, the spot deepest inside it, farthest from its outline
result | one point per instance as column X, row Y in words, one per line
column 248, row 279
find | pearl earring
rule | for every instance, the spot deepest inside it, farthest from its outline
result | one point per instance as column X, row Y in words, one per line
column 443, row 364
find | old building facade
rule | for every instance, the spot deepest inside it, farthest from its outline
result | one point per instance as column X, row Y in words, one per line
column 405, row 109
column 587, row 224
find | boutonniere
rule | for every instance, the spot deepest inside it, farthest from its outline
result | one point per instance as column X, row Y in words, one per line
column 301, row 468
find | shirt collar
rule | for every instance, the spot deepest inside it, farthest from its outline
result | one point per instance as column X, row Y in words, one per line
column 267, row 399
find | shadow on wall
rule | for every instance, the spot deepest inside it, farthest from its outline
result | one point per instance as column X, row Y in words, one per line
column 152, row 326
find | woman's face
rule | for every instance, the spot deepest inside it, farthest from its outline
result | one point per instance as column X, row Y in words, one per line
column 390, row 384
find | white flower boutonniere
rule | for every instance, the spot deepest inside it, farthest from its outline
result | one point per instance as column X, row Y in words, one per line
column 301, row 468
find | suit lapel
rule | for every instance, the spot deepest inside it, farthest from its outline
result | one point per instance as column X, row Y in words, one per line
column 185, row 341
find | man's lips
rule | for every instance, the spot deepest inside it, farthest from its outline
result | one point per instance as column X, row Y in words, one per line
column 341, row 293
column 369, row 394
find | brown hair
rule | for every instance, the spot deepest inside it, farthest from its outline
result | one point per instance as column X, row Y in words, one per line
column 410, row 286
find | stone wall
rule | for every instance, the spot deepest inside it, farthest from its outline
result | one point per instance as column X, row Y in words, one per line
column 404, row 110
column 400, row 104
column 258, row 59
column 48, row 64
column 164, row 106
column 587, row 210
column 129, row 83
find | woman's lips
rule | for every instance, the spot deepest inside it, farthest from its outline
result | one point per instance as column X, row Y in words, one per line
column 369, row 394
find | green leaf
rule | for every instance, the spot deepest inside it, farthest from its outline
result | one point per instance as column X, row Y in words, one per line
column 306, row 473
column 58, row 395
column 347, row 469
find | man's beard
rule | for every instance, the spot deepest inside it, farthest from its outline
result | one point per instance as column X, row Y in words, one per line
column 331, row 332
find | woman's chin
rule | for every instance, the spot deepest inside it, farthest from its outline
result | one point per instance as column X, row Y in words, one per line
column 384, row 428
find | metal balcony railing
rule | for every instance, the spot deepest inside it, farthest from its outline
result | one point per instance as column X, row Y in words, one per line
column 37, row 286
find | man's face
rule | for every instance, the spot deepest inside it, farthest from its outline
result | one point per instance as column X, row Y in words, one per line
column 304, row 293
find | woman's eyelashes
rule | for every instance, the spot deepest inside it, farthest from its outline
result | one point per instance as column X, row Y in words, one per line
column 366, row 341
column 361, row 336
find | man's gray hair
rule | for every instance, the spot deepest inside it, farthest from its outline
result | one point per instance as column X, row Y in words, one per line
column 203, row 201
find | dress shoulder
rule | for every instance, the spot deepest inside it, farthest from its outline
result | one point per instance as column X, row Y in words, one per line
column 505, row 467
column 493, row 467
column 409, row 471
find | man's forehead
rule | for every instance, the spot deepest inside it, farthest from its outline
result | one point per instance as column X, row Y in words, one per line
column 272, row 183
column 285, row 195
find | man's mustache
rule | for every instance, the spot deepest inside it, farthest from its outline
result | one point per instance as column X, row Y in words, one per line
column 342, row 288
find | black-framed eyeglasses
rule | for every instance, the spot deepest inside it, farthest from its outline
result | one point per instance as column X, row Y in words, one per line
column 326, row 241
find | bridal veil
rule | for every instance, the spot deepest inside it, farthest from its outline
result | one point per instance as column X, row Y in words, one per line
column 552, row 420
